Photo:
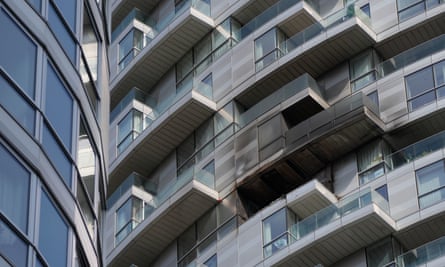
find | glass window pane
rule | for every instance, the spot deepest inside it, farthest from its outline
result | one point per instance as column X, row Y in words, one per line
column 86, row 209
column 412, row 11
column 68, row 10
column 419, row 82
column 380, row 254
column 186, row 241
column 421, row 101
column 12, row 247
column 431, row 177
column 90, row 45
column 212, row 262
column 56, row 155
column 402, row 4
column 59, row 107
column 184, row 66
column 36, row 4
column 274, row 226
column 203, row 49
column 18, row 54
column 86, row 161
column 265, row 44
column 14, row 189
column 53, row 233
column 62, row 33
column 439, row 73
column 18, row 107
column 206, row 224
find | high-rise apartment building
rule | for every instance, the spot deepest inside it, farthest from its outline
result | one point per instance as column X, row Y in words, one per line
column 53, row 111
column 222, row 133
column 276, row 133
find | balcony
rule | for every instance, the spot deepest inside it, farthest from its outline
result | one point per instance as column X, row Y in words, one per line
column 121, row 9
column 332, row 133
column 162, row 217
column 165, row 125
column 317, row 48
column 164, row 41
column 254, row 15
column 310, row 198
column 337, row 230
column 431, row 254
column 422, row 25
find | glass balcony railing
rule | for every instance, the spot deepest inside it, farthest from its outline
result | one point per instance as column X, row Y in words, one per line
column 156, row 107
column 326, row 216
column 415, row 151
column 412, row 55
column 422, row 255
column 159, row 197
column 303, row 82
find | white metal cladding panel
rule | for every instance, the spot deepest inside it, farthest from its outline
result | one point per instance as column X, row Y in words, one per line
column 357, row 259
column 402, row 193
column 383, row 14
column 336, row 83
column 393, row 98
column 222, row 76
column 228, row 254
column 246, row 150
column 345, row 175
column 243, row 65
column 250, row 243
column 218, row 7
column 224, row 165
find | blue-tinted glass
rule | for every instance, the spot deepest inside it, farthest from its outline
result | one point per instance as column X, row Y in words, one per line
column 14, row 189
column 59, row 107
column 383, row 191
column 53, row 233
column 439, row 73
column 12, row 247
column 62, row 34
column 36, row 4
column 56, row 155
column 212, row 262
column 68, row 9
column 419, row 82
column 14, row 103
column 366, row 9
column 18, row 54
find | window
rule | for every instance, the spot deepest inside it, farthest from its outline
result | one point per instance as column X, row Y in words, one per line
column 37, row 4
column 268, row 48
column 370, row 161
column 366, row 9
column 128, row 216
column 129, row 128
column 68, row 10
column 14, row 189
column 62, row 33
column 383, row 191
column 13, row 251
column 18, row 55
column 383, row 253
column 362, row 70
column 275, row 231
column 17, row 106
column 59, row 107
column 86, row 161
column 374, row 96
column 425, row 86
column 130, row 46
column 57, row 155
column 212, row 262
column 410, row 8
column 431, row 184
column 53, row 233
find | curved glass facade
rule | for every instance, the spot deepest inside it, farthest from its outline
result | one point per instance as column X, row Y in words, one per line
column 51, row 151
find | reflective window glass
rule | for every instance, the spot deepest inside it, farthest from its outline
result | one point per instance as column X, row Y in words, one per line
column 17, row 106
column 212, row 262
column 18, row 54
column 53, row 233
column 68, row 10
column 86, row 161
column 37, row 4
column 59, row 107
column 439, row 73
column 14, row 189
column 56, row 155
column 274, row 232
column 12, row 247
column 431, row 184
column 90, row 45
column 419, row 82
column 62, row 33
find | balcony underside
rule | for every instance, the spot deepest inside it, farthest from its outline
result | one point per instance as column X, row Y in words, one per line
column 426, row 228
column 247, row 10
column 418, row 33
column 161, row 54
column 120, row 8
column 338, row 239
column 163, row 226
column 310, row 146
column 317, row 55
column 418, row 129
column 158, row 140
column 309, row 198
